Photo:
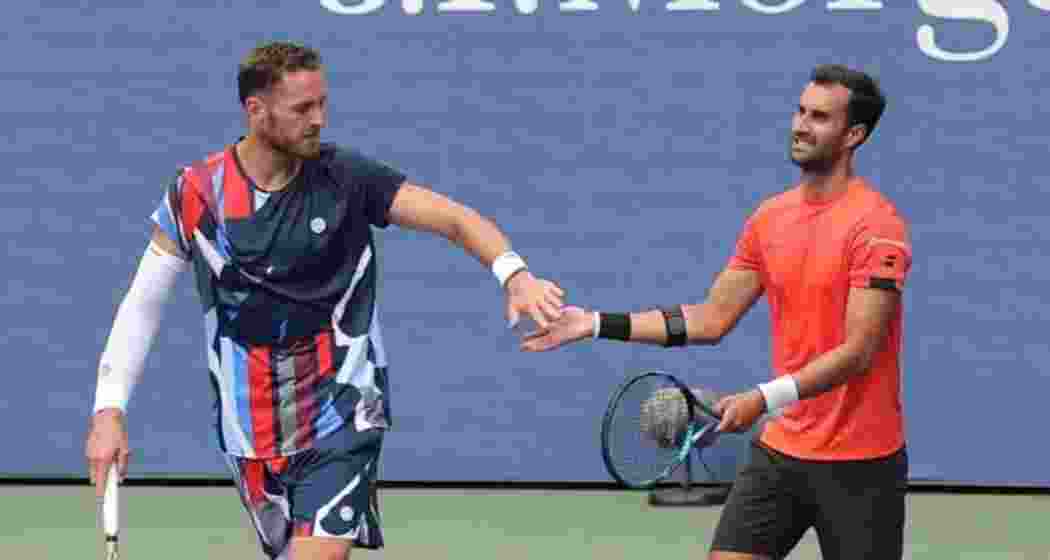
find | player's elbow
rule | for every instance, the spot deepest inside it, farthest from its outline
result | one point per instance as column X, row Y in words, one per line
column 709, row 331
column 715, row 336
column 862, row 356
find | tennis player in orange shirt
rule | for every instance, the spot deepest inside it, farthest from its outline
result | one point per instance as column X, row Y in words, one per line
column 831, row 254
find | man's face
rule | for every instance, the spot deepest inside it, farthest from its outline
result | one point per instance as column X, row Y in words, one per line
column 820, row 131
column 291, row 115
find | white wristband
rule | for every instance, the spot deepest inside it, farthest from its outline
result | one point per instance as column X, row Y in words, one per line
column 506, row 265
column 779, row 393
column 597, row 325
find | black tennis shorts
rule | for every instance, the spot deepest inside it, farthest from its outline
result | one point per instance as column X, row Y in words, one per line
column 857, row 508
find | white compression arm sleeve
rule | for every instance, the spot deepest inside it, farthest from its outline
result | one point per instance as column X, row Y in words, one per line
column 136, row 323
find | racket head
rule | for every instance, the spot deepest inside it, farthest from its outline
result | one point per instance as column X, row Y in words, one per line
column 651, row 424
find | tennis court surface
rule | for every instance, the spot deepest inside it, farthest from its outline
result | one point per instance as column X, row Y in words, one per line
column 179, row 523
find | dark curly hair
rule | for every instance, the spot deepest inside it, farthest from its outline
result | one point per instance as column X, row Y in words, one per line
column 267, row 65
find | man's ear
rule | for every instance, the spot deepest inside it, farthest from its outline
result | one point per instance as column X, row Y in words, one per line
column 254, row 105
column 856, row 135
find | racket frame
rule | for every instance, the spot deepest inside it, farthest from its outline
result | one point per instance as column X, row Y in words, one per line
column 695, row 429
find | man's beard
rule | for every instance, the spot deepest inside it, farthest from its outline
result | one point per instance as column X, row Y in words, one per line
column 817, row 165
column 304, row 148
column 815, row 162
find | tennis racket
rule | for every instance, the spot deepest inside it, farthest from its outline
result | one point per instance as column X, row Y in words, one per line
column 109, row 514
column 652, row 423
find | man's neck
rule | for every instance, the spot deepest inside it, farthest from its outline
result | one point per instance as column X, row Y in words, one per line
column 827, row 185
column 269, row 169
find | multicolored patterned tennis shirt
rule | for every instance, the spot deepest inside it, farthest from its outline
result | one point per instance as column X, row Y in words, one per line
column 287, row 281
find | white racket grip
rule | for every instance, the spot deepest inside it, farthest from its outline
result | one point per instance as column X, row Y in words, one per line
column 111, row 503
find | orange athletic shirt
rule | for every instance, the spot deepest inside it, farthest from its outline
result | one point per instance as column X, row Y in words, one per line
column 809, row 256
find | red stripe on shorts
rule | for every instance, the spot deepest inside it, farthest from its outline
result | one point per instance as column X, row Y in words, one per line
column 260, row 382
column 253, row 474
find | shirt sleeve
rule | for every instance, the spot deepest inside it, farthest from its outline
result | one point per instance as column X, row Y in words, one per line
column 377, row 183
column 168, row 215
column 880, row 255
column 747, row 254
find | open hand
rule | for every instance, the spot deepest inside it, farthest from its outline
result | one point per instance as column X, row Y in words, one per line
column 539, row 300
column 574, row 324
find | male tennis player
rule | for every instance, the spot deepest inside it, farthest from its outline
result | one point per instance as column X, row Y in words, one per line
column 277, row 229
column 831, row 255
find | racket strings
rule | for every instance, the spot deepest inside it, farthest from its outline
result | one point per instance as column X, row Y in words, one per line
column 646, row 430
column 664, row 417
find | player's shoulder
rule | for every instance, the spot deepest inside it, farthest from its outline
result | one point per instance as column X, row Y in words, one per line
column 190, row 174
column 872, row 204
column 210, row 161
column 353, row 167
column 346, row 158
column 344, row 163
column 774, row 204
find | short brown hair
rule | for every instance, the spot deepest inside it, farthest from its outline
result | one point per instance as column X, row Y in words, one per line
column 866, row 101
column 268, row 63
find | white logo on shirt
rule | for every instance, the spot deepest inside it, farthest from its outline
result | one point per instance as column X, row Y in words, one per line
column 317, row 225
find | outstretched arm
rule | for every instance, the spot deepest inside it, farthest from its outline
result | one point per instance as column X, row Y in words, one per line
column 733, row 293
column 418, row 208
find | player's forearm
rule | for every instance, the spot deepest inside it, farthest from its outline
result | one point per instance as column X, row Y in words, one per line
column 831, row 369
column 422, row 209
column 479, row 236
column 645, row 327
column 701, row 323
column 828, row 371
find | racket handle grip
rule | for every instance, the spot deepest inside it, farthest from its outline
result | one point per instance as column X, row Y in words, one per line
column 111, row 503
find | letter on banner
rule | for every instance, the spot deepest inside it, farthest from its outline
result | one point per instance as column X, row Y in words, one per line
column 466, row 6
column 527, row 6
column 360, row 8
column 761, row 8
column 988, row 11
column 692, row 6
column 412, row 7
column 855, row 5
column 578, row 6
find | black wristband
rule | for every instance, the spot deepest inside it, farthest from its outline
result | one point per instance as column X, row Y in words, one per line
column 615, row 326
column 674, row 322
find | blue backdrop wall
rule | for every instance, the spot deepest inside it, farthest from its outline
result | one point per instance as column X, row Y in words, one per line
column 620, row 143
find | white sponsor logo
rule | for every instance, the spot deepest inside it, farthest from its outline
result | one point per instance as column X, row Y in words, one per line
column 991, row 12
